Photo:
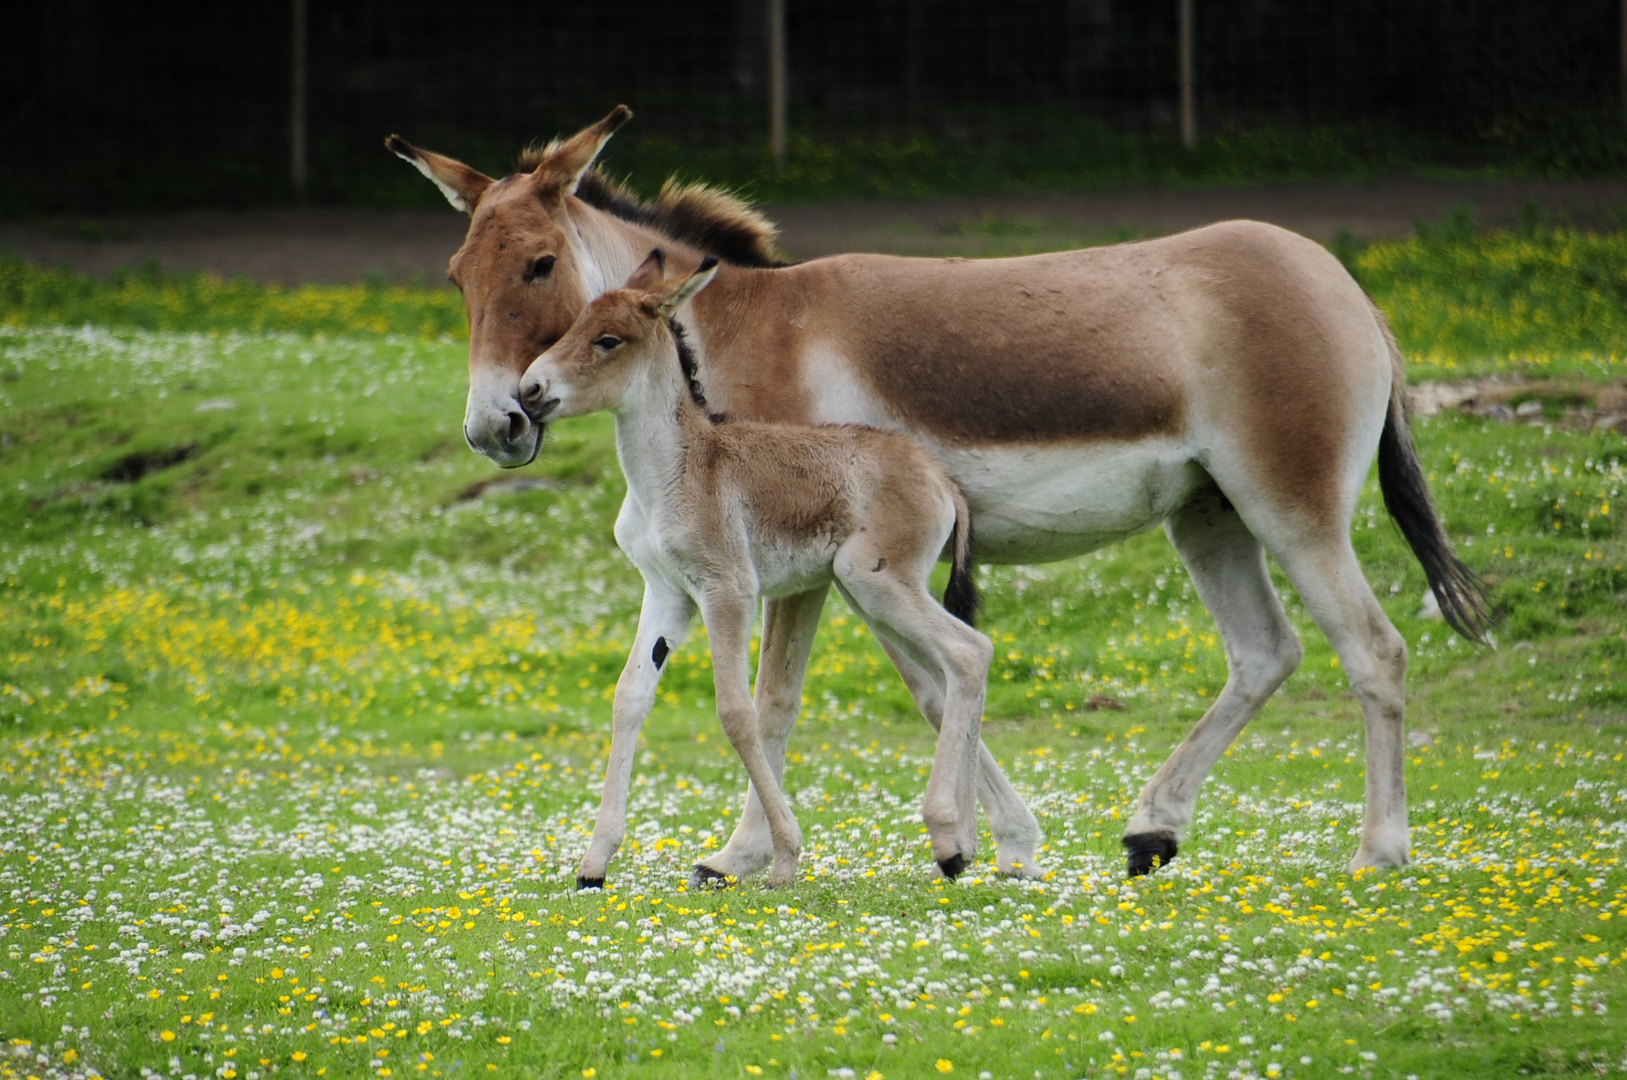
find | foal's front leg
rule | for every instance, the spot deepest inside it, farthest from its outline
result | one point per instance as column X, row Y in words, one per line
column 728, row 626
column 789, row 626
column 662, row 624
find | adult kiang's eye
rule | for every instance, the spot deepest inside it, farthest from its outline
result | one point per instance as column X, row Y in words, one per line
column 542, row 267
column 606, row 343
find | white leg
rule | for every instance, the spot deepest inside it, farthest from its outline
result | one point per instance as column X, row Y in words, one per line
column 1016, row 831
column 1227, row 565
column 662, row 624
column 728, row 625
column 789, row 626
column 1374, row 656
column 952, row 654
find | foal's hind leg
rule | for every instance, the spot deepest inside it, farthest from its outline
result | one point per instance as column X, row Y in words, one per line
column 1227, row 565
column 1016, row 831
column 950, row 651
column 1374, row 656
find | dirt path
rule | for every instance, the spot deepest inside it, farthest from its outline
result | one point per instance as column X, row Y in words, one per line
column 348, row 245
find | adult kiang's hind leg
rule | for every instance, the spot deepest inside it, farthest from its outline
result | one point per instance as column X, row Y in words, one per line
column 1374, row 656
column 1228, row 568
column 1016, row 831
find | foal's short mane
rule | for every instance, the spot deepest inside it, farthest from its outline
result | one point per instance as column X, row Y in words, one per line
column 691, row 369
column 707, row 219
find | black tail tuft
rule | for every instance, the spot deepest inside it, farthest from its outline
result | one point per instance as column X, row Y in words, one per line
column 1458, row 589
column 960, row 599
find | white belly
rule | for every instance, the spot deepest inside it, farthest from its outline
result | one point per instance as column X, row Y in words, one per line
column 787, row 569
column 780, row 569
column 1036, row 504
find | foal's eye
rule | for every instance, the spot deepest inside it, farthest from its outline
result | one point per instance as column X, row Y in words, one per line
column 606, row 343
column 542, row 267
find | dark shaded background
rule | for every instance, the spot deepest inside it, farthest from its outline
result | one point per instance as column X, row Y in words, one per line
column 109, row 107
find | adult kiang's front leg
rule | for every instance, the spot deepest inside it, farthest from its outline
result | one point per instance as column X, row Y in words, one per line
column 789, row 625
column 662, row 625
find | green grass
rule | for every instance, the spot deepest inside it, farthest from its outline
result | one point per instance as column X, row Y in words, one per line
column 1542, row 299
column 272, row 689
column 33, row 295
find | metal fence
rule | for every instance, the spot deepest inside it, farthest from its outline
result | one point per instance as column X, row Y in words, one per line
column 108, row 106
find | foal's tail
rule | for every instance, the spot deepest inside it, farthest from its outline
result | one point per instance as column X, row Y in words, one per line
column 960, row 599
column 1459, row 590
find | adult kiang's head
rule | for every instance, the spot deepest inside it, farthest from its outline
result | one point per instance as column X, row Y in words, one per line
column 523, row 270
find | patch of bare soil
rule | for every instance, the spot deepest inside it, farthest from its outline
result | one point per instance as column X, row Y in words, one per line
column 338, row 245
column 1570, row 404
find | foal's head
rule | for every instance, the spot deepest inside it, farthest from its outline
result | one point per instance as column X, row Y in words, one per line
column 620, row 334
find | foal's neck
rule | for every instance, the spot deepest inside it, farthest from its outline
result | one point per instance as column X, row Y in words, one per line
column 657, row 422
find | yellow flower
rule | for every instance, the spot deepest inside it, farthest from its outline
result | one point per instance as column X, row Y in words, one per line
column 167, row 1036
column 944, row 1065
column 299, row 1055
column 590, row 1072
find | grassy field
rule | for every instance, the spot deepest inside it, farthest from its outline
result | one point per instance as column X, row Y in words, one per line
column 301, row 729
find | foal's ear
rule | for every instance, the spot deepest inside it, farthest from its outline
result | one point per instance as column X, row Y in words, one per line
column 672, row 296
column 461, row 185
column 562, row 166
column 649, row 272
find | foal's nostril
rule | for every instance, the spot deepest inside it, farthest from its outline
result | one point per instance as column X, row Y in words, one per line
column 517, row 426
column 531, row 395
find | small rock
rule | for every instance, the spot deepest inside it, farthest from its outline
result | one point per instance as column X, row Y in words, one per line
column 1496, row 411
column 1432, row 399
column 1528, row 409
column 1420, row 738
column 507, row 485
column 219, row 404
column 1431, row 608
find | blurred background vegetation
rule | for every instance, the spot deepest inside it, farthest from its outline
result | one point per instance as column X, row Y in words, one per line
column 108, row 108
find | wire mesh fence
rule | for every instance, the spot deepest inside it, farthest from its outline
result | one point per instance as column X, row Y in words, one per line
column 109, row 107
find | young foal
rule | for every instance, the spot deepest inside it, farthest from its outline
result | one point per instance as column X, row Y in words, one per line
column 719, row 514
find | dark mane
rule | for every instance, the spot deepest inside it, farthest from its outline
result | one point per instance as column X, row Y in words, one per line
column 691, row 369
column 709, row 220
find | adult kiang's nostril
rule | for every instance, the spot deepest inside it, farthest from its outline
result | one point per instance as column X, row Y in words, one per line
column 518, row 424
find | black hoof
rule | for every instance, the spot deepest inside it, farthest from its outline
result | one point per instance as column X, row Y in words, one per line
column 583, row 883
column 706, row 876
column 953, row 867
column 1149, row 851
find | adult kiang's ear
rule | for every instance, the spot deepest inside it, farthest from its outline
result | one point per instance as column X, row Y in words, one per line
column 649, row 272
column 563, row 163
column 674, row 294
column 461, row 185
